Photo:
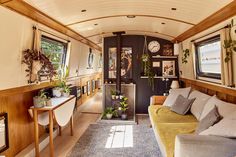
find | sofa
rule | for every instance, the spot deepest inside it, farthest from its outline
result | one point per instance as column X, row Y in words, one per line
column 175, row 133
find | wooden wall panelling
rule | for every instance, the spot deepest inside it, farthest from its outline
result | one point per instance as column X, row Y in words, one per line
column 29, row 11
column 219, row 16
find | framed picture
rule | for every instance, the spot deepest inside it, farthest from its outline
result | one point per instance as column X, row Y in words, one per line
column 88, row 87
column 79, row 92
column 168, row 68
column 93, row 86
column 156, row 64
column 85, row 89
column 167, row 50
column 90, row 59
column 126, row 62
column 4, row 140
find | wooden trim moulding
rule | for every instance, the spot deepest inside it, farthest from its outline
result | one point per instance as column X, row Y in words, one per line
column 223, row 14
column 210, row 86
column 29, row 11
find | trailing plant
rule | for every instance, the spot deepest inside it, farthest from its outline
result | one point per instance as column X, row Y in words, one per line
column 186, row 54
column 47, row 68
column 123, row 104
column 230, row 44
column 109, row 110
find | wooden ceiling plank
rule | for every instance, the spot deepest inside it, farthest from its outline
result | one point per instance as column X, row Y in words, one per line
column 4, row 1
column 29, row 11
column 137, row 15
column 219, row 16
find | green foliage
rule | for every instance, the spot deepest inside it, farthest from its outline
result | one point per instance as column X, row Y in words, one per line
column 123, row 104
column 229, row 45
column 113, row 92
column 42, row 94
column 62, row 76
column 147, row 66
column 186, row 54
column 66, row 89
column 109, row 110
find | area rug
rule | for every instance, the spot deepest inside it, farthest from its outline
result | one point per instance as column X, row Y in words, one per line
column 101, row 140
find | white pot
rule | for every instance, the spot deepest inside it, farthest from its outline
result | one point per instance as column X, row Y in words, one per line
column 121, row 96
column 56, row 92
column 113, row 96
column 117, row 96
column 109, row 116
column 65, row 94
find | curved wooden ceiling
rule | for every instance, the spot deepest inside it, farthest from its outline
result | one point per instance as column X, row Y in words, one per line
column 110, row 15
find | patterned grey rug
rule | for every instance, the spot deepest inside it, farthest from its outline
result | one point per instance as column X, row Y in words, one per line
column 102, row 140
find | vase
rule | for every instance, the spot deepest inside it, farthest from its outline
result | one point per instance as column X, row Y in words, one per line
column 124, row 116
column 56, row 92
column 109, row 116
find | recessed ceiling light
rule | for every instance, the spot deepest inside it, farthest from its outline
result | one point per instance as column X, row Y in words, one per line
column 95, row 24
column 173, row 8
column 131, row 16
column 163, row 23
column 84, row 10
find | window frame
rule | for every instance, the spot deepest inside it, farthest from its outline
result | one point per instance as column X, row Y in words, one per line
column 197, row 62
column 65, row 44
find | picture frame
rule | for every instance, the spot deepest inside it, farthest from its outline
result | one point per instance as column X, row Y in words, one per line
column 85, row 89
column 93, row 86
column 88, row 88
column 126, row 62
column 168, row 68
column 4, row 139
column 156, row 64
column 79, row 92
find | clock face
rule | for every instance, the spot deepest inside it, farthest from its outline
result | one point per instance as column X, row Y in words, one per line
column 154, row 46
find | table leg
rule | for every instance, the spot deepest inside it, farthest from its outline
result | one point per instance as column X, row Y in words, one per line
column 51, row 133
column 71, row 126
column 59, row 130
column 36, row 133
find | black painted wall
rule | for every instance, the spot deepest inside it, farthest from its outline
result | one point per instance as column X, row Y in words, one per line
column 143, row 90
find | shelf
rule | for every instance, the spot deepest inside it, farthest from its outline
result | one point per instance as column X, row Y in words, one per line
column 165, row 57
column 158, row 77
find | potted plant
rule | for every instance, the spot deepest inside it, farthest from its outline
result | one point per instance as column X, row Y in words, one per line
column 113, row 94
column 123, row 107
column 41, row 99
column 66, row 91
column 109, row 112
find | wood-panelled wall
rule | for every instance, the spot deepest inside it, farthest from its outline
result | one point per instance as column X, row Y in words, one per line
column 16, row 103
column 223, row 93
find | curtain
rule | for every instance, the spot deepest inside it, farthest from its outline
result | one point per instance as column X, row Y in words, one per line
column 37, row 39
column 193, row 52
column 226, row 67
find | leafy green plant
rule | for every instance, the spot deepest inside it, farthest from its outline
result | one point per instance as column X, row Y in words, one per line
column 146, row 63
column 113, row 92
column 229, row 45
column 42, row 94
column 62, row 77
column 109, row 110
column 124, row 104
column 186, row 54
column 66, row 89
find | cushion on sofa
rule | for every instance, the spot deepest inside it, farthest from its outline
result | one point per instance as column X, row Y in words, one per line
column 174, row 93
column 224, row 108
column 210, row 119
column 182, row 105
column 225, row 128
column 199, row 103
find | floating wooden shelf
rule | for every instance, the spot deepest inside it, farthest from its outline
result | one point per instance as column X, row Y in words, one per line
column 165, row 57
column 158, row 77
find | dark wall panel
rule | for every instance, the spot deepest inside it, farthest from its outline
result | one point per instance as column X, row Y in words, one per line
column 144, row 91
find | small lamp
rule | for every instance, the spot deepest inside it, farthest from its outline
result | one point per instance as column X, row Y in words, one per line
column 176, row 49
column 174, row 84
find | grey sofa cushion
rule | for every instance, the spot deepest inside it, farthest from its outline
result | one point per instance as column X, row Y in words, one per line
column 204, row 146
column 210, row 119
column 182, row 105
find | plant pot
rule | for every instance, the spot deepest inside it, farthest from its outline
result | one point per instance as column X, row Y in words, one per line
column 117, row 96
column 39, row 102
column 109, row 116
column 49, row 102
column 56, row 92
column 121, row 96
column 113, row 96
column 124, row 116
column 119, row 111
column 65, row 94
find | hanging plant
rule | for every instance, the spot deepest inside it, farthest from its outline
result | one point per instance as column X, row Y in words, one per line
column 186, row 54
column 37, row 65
column 229, row 45
column 147, row 65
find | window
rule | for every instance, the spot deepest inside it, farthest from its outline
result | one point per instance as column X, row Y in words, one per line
column 55, row 50
column 208, row 58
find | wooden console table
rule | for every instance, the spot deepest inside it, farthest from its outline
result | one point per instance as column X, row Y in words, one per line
column 56, row 104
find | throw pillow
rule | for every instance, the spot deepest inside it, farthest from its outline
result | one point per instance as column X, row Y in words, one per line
column 210, row 119
column 199, row 103
column 174, row 93
column 224, row 108
column 225, row 128
column 182, row 105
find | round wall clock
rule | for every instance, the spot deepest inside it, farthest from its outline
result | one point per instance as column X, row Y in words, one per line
column 154, row 46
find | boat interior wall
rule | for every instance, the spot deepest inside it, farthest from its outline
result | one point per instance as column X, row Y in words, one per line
column 20, row 35
column 187, row 69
